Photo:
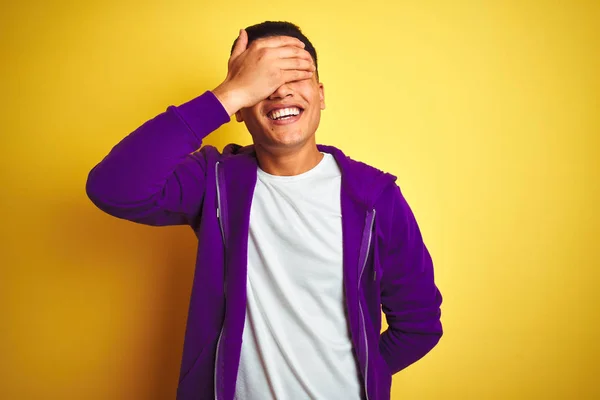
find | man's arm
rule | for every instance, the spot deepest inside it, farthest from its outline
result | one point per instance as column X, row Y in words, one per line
column 151, row 176
column 410, row 299
column 154, row 175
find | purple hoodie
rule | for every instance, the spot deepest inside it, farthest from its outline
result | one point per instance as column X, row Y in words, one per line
column 157, row 176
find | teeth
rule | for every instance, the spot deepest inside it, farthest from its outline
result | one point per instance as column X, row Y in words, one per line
column 284, row 112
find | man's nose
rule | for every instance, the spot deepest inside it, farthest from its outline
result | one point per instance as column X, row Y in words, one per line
column 281, row 92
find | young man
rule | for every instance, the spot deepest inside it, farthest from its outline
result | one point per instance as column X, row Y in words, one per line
column 299, row 246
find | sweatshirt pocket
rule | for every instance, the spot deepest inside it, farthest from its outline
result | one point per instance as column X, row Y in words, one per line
column 377, row 269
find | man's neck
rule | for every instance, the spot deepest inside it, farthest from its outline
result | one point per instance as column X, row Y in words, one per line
column 289, row 163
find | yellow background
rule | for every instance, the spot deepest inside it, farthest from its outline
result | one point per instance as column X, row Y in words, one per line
column 486, row 111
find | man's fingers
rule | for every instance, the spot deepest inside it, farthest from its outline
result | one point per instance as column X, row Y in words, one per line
column 296, row 64
column 296, row 75
column 240, row 44
column 279, row 41
column 292, row 52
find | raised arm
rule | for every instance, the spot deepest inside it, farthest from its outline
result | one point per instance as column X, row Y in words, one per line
column 155, row 175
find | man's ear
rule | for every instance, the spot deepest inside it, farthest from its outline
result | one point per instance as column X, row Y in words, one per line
column 322, row 95
column 238, row 116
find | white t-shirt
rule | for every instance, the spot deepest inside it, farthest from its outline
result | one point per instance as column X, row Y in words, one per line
column 296, row 343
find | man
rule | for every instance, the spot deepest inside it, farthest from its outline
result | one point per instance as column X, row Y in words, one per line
column 299, row 246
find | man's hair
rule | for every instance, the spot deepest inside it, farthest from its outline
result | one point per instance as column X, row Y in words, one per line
column 280, row 28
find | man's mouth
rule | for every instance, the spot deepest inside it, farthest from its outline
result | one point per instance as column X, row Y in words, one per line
column 283, row 114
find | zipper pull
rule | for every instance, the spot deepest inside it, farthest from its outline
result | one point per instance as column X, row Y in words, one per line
column 374, row 274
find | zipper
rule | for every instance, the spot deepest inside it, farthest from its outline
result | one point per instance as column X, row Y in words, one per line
column 362, row 314
column 219, row 217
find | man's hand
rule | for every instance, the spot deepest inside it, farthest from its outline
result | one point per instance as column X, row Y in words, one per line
column 256, row 71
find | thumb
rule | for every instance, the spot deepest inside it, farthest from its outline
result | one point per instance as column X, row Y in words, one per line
column 240, row 44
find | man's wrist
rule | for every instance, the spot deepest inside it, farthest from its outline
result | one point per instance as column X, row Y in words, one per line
column 229, row 98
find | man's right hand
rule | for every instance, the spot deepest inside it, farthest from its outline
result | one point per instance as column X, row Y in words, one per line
column 255, row 72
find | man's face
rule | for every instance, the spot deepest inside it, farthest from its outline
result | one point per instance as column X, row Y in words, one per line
column 273, row 123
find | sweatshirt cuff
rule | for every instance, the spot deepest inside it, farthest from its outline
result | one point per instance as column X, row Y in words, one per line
column 203, row 114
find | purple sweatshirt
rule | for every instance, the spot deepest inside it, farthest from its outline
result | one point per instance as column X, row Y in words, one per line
column 157, row 176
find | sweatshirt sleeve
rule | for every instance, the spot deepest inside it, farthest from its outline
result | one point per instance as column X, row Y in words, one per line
column 410, row 299
column 155, row 175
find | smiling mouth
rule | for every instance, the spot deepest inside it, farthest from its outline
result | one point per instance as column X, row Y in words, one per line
column 284, row 114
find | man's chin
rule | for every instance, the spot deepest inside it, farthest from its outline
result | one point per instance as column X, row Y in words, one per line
column 283, row 140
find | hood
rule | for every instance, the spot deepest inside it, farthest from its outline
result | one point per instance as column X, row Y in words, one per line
column 364, row 182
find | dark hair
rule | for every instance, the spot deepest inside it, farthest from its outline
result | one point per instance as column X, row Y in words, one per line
column 280, row 28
